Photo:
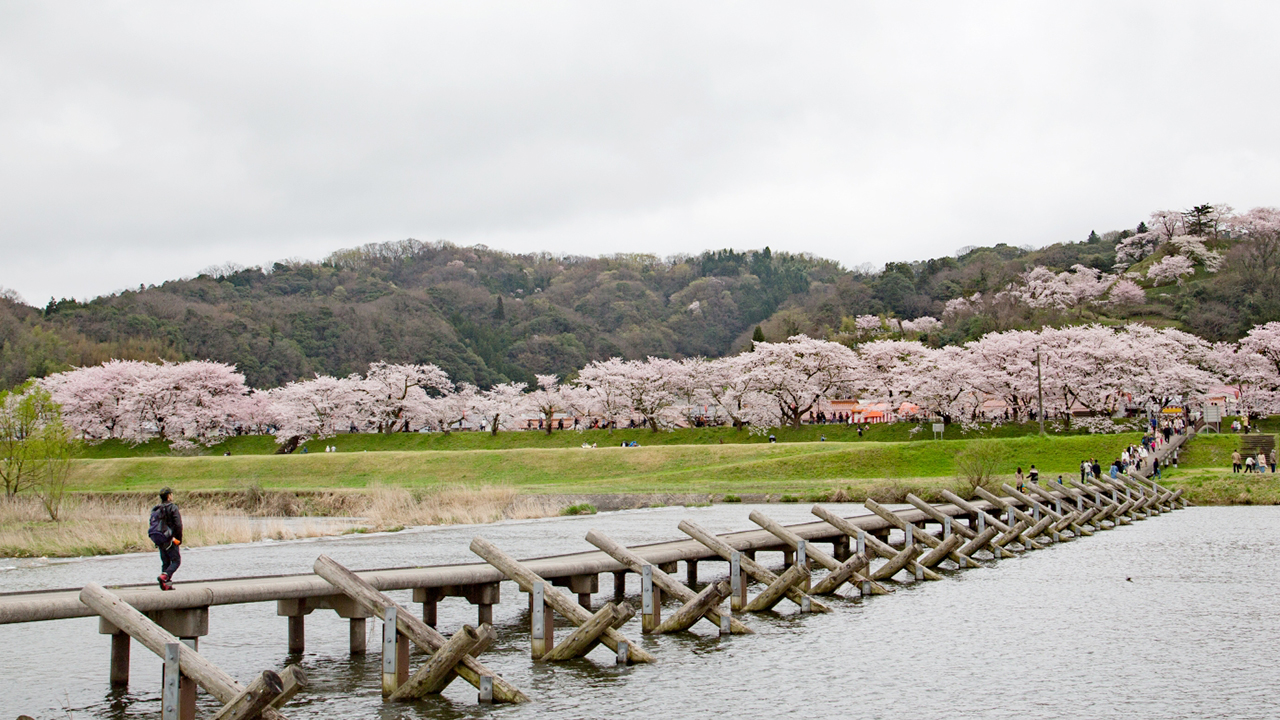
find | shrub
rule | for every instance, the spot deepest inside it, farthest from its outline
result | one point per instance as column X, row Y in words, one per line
column 978, row 463
column 579, row 509
column 731, row 499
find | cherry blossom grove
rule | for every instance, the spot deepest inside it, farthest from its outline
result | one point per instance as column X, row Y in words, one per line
column 1083, row 370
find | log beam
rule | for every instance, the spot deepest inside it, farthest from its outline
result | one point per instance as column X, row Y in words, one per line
column 526, row 578
column 425, row 636
column 749, row 566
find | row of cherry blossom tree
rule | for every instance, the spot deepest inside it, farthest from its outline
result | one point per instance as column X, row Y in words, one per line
column 1101, row 370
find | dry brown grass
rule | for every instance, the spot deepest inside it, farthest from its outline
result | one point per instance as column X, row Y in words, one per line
column 113, row 524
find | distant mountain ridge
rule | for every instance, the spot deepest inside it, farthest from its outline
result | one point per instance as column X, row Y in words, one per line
column 486, row 316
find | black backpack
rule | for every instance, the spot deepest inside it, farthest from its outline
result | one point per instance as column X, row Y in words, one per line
column 159, row 530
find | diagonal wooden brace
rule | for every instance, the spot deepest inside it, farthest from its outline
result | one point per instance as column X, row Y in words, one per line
column 1060, row 521
column 436, row 674
column 849, row 570
column 295, row 681
column 695, row 609
column 585, row 637
column 810, row 549
column 777, row 589
column 665, row 582
column 997, row 546
column 873, row 545
column 917, row 534
column 561, row 603
column 897, row 562
column 983, row 539
column 1027, row 541
column 1013, row 534
column 425, row 636
column 749, row 566
column 255, row 698
column 940, row 553
column 217, row 683
column 941, row 518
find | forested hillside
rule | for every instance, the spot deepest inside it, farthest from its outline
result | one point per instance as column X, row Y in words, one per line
column 486, row 316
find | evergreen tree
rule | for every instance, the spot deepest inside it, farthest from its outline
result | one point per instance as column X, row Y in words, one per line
column 499, row 313
column 1093, row 237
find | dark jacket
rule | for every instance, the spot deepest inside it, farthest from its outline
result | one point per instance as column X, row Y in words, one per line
column 171, row 518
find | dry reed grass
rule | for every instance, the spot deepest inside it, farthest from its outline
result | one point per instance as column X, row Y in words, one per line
column 113, row 524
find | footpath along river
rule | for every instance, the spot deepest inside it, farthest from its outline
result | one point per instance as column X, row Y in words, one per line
column 1173, row 617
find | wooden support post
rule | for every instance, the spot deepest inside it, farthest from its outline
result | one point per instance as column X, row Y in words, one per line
column 297, row 634
column 650, row 601
column 430, row 612
column 526, row 578
column 585, row 637
column 690, row 572
column 667, row 583
column 120, row 659
column 737, row 583
column 484, row 613
column 620, row 584
column 436, row 674
column 359, row 638
column 542, row 630
column 419, row 632
column 811, row 552
column 192, row 664
column 752, row 568
column 840, row 549
column 868, row 545
column 169, row 696
column 1013, row 534
column 788, row 558
column 802, row 558
column 390, row 656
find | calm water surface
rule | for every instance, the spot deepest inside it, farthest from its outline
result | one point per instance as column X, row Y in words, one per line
column 1173, row 617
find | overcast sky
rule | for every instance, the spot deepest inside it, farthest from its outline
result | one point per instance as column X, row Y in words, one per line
column 142, row 141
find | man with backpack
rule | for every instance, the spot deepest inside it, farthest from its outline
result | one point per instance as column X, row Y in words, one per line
column 165, row 531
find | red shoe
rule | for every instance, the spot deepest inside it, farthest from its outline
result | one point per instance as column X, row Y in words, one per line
column 164, row 582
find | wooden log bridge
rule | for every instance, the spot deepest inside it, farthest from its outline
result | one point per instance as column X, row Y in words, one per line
column 558, row 601
column 453, row 657
column 238, row 701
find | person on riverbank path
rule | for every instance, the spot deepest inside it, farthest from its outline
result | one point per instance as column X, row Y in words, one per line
column 1235, row 461
column 165, row 531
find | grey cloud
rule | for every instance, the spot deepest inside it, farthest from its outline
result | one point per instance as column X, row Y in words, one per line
column 145, row 141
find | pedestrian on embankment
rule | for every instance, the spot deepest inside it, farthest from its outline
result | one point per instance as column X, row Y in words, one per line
column 1235, row 461
column 165, row 530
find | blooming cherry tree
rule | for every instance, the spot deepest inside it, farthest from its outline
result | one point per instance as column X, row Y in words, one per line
column 1171, row 267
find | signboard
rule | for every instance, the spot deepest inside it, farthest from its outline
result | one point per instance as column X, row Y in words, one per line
column 1212, row 413
column 1172, row 411
column 937, row 430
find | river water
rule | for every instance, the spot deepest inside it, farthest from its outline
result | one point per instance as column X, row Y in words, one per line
column 1172, row 617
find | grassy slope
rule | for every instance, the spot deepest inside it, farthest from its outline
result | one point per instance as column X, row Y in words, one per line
column 1204, row 472
column 751, row 467
column 262, row 445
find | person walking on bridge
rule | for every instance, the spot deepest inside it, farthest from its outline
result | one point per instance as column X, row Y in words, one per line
column 165, row 531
